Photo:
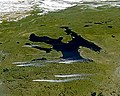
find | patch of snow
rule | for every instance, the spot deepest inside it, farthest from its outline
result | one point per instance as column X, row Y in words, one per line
column 32, row 63
column 58, row 81
column 69, row 61
column 72, row 75
column 23, row 65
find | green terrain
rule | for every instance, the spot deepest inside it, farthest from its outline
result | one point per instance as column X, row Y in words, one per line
column 101, row 26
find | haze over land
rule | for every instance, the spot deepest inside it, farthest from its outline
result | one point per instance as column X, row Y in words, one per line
column 48, row 5
column 16, row 9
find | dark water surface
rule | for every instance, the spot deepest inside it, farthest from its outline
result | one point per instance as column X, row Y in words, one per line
column 70, row 49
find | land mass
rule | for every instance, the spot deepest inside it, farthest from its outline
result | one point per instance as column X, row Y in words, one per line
column 100, row 26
